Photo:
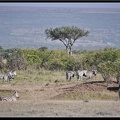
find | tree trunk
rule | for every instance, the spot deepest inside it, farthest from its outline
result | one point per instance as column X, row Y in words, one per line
column 69, row 51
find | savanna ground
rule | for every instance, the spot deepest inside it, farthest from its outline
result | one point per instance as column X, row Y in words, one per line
column 48, row 94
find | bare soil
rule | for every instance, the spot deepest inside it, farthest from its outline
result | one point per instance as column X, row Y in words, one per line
column 61, row 100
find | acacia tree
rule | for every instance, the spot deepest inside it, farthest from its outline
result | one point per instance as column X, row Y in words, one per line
column 67, row 35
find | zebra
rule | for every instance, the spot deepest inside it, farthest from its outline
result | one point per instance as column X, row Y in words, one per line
column 9, row 76
column 80, row 74
column 69, row 75
column 14, row 73
column 89, row 74
column 10, row 98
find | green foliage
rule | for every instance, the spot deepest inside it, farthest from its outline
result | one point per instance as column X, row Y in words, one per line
column 32, row 56
column 43, row 48
column 106, row 61
column 106, row 70
column 17, row 60
column 2, row 65
column 116, row 66
column 57, row 60
column 68, row 63
column 91, row 60
column 65, row 32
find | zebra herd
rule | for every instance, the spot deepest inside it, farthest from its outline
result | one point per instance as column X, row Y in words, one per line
column 80, row 74
column 8, row 76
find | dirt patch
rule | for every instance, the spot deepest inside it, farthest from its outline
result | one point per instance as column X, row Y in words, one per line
column 70, row 99
column 92, row 90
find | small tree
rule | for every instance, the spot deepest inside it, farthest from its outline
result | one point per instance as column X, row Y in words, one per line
column 17, row 60
column 108, row 61
column 67, row 35
column 106, row 70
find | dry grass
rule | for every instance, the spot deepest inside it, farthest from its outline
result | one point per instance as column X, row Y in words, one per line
column 41, row 96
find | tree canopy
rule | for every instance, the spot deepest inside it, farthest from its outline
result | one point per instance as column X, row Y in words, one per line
column 67, row 35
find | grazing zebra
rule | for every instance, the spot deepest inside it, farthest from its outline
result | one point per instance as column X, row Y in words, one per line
column 69, row 75
column 89, row 74
column 80, row 74
column 10, row 98
column 9, row 76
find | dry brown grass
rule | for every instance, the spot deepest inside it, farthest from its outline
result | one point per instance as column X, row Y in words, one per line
column 40, row 96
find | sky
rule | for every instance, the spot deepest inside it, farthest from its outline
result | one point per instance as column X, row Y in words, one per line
column 64, row 4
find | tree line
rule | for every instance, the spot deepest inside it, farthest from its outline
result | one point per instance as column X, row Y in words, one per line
column 105, row 61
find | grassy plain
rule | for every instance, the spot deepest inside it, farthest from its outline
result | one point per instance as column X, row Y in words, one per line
column 48, row 94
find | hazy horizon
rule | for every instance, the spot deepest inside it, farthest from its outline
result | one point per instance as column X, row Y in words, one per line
column 24, row 27
column 64, row 4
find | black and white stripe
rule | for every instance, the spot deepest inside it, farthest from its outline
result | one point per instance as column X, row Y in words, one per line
column 69, row 75
column 10, row 98
column 80, row 74
column 89, row 74
column 9, row 76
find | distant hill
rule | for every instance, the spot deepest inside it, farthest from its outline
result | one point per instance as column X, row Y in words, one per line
column 23, row 27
